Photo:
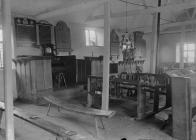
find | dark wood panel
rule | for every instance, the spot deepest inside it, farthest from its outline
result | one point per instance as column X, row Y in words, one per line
column 45, row 33
column 25, row 30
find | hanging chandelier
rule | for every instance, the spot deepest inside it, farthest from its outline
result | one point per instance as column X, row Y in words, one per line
column 125, row 42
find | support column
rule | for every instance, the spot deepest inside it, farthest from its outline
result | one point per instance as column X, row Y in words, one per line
column 154, row 44
column 7, row 59
column 182, row 48
column 155, row 40
column 106, row 59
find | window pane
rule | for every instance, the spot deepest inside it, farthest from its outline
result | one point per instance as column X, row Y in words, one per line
column 178, row 53
column 185, row 47
column 92, row 37
column 87, row 38
column 185, row 53
column 191, row 54
column 191, row 46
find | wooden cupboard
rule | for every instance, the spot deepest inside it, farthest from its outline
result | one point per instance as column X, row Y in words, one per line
column 34, row 77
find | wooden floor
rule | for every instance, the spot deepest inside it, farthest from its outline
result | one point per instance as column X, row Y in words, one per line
column 121, row 125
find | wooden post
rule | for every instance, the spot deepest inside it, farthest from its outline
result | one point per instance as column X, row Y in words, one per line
column 106, row 59
column 182, row 41
column 7, row 53
column 181, row 108
column 155, row 40
column 154, row 44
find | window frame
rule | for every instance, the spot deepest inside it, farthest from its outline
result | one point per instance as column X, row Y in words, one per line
column 87, row 30
column 186, row 52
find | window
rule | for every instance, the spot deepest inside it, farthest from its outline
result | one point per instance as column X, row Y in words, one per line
column 188, row 53
column 1, row 48
column 91, row 38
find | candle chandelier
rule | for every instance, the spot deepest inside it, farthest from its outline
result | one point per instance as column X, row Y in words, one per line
column 126, row 43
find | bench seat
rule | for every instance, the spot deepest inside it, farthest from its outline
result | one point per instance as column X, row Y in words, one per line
column 96, row 113
column 78, row 108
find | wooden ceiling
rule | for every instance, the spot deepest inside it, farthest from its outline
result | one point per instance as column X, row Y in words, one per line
column 90, row 12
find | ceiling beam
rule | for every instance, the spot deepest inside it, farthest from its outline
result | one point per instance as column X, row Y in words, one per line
column 76, row 7
column 164, row 26
column 167, row 8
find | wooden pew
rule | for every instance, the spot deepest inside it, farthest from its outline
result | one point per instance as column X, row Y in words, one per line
column 96, row 113
column 60, row 132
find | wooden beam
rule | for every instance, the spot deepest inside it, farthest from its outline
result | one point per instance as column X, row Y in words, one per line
column 177, row 31
column 106, row 59
column 76, row 7
column 162, row 9
column 158, row 36
column 154, row 44
column 148, row 29
column 7, row 59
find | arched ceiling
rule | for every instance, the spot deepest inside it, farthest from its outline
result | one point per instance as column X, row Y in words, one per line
column 87, row 11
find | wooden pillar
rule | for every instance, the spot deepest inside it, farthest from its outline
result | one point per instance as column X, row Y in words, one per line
column 181, row 108
column 182, row 41
column 7, row 57
column 155, row 40
column 154, row 44
column 106, row 59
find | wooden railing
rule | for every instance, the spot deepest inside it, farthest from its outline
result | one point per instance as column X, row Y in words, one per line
column 128, row 86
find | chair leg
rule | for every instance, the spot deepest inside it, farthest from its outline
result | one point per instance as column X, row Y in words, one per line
column 48, row 109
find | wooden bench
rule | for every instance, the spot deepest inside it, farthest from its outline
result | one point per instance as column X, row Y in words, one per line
column 58, row 131
column 96, row 113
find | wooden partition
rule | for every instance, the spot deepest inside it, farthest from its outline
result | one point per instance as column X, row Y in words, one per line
column 181, row 108
column 34, row 77
column 134, row 87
